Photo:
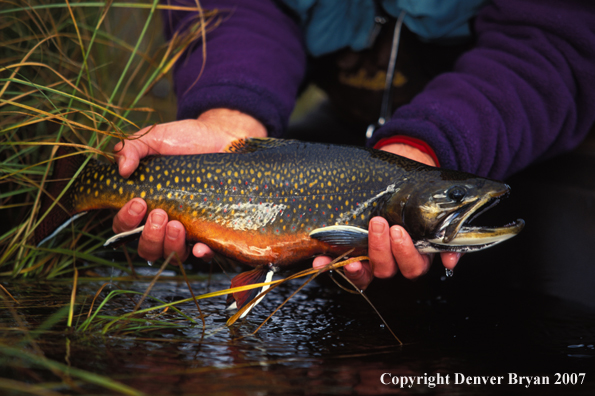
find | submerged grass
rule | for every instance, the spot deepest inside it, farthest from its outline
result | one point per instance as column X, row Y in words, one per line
column 76, row 73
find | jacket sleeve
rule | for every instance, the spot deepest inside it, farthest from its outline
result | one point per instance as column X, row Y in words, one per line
column 522, row 94
column 255, row 62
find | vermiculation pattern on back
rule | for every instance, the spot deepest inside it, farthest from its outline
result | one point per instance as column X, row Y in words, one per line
column 286, row 187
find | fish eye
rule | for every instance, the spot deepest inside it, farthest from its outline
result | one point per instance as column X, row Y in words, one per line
column 457, row 193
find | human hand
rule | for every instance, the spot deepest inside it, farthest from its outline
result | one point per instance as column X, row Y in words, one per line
column 210, row 133
column 390, row 248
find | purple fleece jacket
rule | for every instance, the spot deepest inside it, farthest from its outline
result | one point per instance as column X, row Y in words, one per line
column 524, row 93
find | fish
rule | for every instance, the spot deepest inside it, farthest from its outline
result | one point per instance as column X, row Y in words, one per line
column 270, row 203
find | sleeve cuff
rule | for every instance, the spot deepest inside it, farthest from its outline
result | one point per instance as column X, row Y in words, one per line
column 410, row 141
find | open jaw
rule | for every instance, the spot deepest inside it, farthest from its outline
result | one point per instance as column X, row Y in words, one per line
column 455, row 235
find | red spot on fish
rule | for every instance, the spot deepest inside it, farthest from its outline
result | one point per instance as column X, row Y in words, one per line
column 205, row 199
column 246, row 183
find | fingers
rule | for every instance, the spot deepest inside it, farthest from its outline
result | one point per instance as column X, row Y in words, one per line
column 130, row 216
column 412, row 264
column 161, row 238
column 203, row 252
column 131, row 151
column 150, row 244
column 175, row 242
column 450, row 260
column 379, row 249
column 321, row 261
column 359, row 273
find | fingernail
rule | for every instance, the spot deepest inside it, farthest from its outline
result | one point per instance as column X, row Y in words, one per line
column 396, row 235
column 173, row 233
column 377, row 227
column 157, row 220
column 136, row 208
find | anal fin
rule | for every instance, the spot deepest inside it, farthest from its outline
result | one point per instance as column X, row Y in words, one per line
column 238, row 300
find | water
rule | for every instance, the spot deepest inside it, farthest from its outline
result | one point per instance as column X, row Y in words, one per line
column 323, row 341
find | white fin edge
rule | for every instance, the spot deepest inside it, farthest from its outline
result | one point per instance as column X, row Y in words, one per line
column 63, row 226
column 121, row 235
column 268, row 278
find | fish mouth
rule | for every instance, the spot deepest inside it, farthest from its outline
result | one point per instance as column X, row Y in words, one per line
column 456, row 235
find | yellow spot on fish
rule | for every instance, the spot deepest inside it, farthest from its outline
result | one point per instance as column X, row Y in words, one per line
column 151, row 178
column 198, row 180
column 177, row 179
column 143, row 194
column 157, row 168
column 166, row 173
column 130, row 182
column 169, row 195
column 142, row 178
column 96, row 193
column 167, row 183
column 209, row 175
column 121, row 190
column 158, row 186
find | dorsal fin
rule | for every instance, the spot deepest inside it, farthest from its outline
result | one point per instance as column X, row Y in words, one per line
column 250, row 145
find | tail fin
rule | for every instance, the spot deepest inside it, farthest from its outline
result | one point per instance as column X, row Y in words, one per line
column 62, row 213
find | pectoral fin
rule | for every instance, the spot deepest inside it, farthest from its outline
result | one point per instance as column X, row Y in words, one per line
column 124, row 237
column 342, row 235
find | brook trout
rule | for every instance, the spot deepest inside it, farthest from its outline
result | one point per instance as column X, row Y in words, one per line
column 270, row 203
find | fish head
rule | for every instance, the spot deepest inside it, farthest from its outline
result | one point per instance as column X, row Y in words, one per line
column 437, row 208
